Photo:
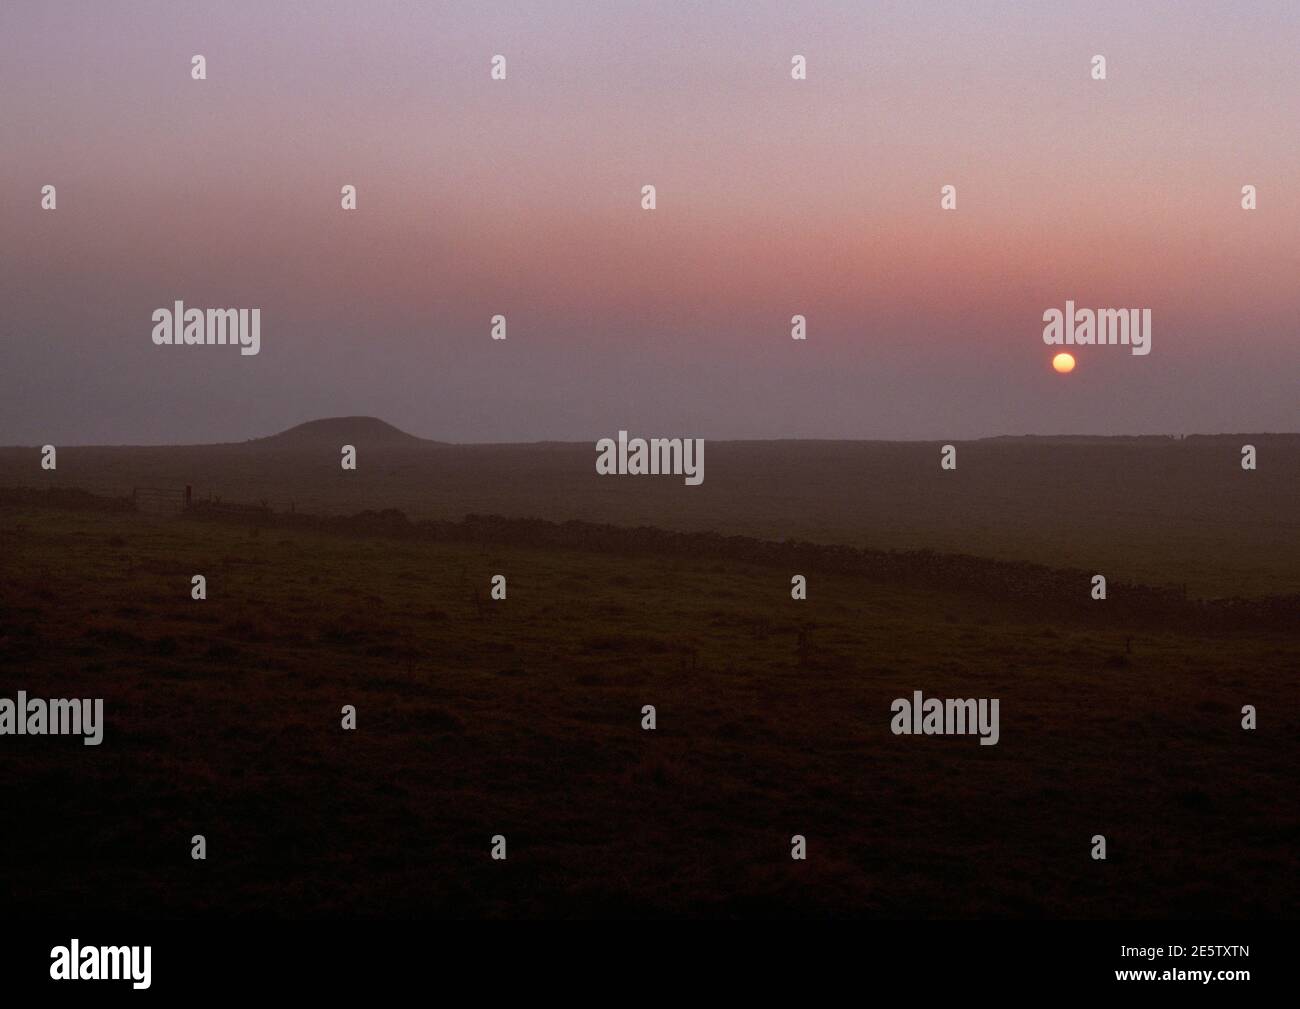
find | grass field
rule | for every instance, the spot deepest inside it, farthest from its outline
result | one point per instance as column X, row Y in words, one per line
column 522, row 717
column 1152, row 510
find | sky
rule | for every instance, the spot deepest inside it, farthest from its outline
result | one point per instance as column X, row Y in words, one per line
column 522, row 197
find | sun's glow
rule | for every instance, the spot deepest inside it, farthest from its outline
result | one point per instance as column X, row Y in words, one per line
column 1064, row 363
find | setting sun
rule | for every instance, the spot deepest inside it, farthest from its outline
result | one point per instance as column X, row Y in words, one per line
column 1064, row 363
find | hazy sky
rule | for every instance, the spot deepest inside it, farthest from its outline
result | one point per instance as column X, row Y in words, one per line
column 522, row 197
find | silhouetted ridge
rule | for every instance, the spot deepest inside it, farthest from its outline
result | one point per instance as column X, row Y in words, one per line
column 336, row 431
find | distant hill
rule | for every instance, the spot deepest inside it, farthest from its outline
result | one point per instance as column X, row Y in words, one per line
column 370, row 432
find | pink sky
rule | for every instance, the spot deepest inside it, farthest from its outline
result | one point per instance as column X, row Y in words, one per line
column 521, row 197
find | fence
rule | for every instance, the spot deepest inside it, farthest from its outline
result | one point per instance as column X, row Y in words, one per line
column 162, row 500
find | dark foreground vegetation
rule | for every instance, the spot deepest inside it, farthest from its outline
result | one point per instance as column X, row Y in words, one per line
column 522, row 717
